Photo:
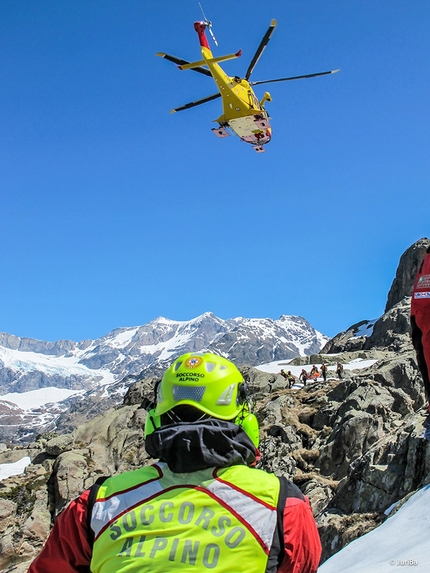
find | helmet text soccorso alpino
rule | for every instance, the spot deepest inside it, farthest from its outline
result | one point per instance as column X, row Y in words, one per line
column 189, row 376
column 205, row 551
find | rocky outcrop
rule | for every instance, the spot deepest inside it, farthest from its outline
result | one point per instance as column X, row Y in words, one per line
column 408, row 267
column 348, row 340
column 392, row 329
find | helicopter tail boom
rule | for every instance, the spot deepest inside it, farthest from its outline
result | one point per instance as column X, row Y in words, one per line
column 200, row 28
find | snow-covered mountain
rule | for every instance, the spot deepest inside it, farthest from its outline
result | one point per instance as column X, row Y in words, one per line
column 38, row 379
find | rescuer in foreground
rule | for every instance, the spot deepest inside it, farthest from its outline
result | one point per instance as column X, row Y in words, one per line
column 203, row 506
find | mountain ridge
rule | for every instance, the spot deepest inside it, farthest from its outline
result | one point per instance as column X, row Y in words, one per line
column 156, row 342
column 96, row 369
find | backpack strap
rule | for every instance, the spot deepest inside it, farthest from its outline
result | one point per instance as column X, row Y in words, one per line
column 91, row 501
column 277, row 551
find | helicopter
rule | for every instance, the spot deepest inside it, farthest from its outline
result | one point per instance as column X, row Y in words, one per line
column 243, row 114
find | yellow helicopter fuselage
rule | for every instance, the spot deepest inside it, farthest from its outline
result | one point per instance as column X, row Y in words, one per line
column 243, row 113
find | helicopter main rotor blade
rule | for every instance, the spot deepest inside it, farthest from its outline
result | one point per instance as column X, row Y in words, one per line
column 260, row 48
column 197, row 102
column 293, row 78
column 181, row 62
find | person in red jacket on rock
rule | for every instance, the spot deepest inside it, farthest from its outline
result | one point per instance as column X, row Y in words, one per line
column 420, row 324
column 203, row 506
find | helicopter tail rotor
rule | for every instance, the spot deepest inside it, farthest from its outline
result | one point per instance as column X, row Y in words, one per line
column 208, row 25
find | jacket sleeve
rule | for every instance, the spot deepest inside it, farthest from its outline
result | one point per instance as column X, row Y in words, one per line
column 302, row 543
column 68, row 548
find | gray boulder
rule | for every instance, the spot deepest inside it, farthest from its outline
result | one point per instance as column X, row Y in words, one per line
column 392, row 329
column 58, row 445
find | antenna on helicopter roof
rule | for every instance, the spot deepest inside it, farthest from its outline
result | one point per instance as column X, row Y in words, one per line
column 209, row 25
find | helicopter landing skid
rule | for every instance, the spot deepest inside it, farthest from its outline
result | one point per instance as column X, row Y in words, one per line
column 220, row 132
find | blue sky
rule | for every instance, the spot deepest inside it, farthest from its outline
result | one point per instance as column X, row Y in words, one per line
column 114, row 212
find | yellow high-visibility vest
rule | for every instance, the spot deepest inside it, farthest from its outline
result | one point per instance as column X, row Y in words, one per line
column 153, row 520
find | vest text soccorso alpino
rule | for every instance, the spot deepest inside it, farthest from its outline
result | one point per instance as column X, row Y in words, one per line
column 192, row 526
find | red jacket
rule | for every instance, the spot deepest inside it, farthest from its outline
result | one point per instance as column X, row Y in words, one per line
column 420, row 321
column 68, row 549
column 420, row 303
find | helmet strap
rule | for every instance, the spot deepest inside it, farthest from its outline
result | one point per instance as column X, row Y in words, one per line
column 152, row 423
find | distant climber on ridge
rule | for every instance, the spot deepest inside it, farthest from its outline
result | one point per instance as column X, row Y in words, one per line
column 284, row 374
column 324, row 371
column 289, row 378
column 303, row 377
column 314, row 373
